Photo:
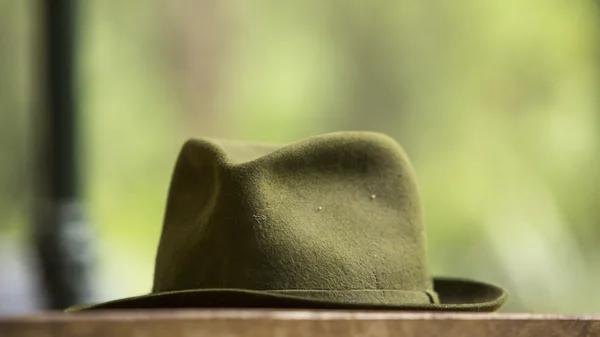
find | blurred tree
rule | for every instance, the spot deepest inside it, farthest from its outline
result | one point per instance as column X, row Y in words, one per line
column 61, row 232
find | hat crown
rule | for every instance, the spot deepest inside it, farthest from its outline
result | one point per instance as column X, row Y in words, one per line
column 334, row 212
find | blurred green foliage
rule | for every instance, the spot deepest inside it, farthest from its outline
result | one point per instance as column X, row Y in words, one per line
column 495, row 102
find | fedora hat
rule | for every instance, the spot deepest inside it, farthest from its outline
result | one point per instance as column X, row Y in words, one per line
column 332, row 221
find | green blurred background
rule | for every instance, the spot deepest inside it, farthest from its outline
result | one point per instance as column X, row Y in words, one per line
column 496, row 103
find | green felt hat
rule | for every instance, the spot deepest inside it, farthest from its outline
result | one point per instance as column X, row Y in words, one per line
column 333, row 221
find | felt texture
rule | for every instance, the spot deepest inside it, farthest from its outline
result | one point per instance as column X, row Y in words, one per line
column 332, row 221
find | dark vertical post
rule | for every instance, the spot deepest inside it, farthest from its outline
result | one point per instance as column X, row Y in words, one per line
column 61, row 232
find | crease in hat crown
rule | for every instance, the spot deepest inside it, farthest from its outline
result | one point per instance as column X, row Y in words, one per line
column 331, row 221
column 296, row 218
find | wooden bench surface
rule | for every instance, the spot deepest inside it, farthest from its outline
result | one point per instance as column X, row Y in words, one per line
column 296, row 323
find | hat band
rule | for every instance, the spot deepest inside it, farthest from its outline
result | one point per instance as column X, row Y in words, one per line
column 371, row 296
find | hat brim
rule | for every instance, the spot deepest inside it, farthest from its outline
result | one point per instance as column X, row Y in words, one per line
column 454, row 295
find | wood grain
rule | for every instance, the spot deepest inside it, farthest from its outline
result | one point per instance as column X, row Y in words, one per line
column 282, row 323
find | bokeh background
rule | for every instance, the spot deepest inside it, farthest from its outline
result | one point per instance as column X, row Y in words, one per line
column 496, row 103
